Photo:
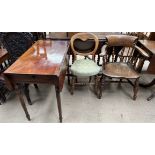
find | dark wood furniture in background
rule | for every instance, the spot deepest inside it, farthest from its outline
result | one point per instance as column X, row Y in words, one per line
column 16, row 44
column 4, row 57
column 44, row 62
column 149, row 47
column 122, row 60
column 38, row 35
column 140, row 35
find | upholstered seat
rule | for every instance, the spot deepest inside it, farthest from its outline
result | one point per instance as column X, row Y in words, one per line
column 85, row 67
column 120, row 70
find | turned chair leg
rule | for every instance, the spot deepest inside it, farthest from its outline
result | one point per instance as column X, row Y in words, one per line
column 26, row 91
column 135, row 88
column 120, row 82
column 95, row 85
column 101, row 86
column 72, row 85
column 98, row 87
column 90, row 79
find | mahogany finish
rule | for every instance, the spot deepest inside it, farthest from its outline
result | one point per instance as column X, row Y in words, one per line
column 44, row 62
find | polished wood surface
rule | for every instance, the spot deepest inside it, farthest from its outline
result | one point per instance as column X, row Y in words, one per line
column 43, row 58
column 44, row 62
column 119, row 70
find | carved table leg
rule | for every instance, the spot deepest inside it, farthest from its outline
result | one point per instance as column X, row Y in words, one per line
column 19, row 93
column 58, row 102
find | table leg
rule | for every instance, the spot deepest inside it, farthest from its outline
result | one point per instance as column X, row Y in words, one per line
column 57, row 90
column 20, row 95
column 27, row 94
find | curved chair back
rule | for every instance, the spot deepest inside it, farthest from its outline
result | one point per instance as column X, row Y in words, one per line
column 84, row 44
column 120, row 48
column 121, row 40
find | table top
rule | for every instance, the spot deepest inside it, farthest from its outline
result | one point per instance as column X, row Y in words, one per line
column 43, row 58
column 149, row 45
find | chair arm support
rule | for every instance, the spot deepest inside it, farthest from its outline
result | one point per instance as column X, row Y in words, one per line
column 142, row 52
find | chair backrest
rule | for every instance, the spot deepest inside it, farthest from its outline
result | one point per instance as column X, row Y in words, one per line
column 84, row 44
column 121, row 48
column 121, row 40
column 17, row 43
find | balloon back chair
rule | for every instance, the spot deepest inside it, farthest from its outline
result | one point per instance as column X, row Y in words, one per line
column 122, row 61
column 83, row 45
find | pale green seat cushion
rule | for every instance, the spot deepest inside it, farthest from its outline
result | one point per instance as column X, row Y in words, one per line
column 85, row 67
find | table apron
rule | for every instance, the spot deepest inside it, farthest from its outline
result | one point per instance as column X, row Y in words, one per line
column 33, row 79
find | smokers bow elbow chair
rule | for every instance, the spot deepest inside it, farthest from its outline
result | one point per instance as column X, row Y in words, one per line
column 122, row 60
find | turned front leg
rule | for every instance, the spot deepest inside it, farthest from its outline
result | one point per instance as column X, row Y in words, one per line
column 20, row 95
column 58, row 102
